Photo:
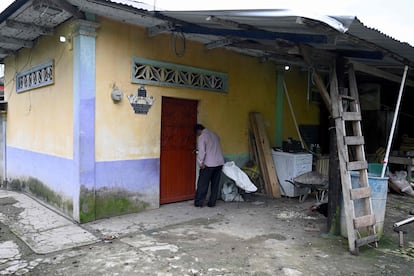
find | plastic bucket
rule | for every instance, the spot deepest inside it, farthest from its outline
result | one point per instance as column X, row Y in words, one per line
column 379, row 189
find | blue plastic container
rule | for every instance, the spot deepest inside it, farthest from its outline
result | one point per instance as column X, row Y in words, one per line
column 379, row 190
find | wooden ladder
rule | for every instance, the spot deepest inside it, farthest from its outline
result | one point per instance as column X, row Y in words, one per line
column 347, row 114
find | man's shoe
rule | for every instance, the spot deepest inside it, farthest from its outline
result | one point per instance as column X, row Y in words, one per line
column 198, row 205
column 211, row 205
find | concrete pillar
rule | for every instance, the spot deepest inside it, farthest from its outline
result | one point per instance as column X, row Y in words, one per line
column 84, row 80
column 3, row 163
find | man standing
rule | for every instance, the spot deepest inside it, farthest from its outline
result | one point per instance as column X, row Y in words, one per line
column 210, row 159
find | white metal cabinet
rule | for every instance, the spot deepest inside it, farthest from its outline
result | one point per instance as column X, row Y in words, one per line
column 288, row 166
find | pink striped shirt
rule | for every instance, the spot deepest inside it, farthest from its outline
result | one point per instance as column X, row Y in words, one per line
column 209, row 149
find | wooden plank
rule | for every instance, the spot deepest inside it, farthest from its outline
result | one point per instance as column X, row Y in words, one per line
column 265, row 154
column 351, row 116
column 262, row 168
column 364, row 221
column 357, row 165
column 346, row 97
column 254, row 156
column 305, row 51
column 366, row 240
column 354, row 140
column 359, row 193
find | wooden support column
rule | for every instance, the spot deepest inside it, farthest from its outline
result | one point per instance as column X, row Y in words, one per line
column 335, row 188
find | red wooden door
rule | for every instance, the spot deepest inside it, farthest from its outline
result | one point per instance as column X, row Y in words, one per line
column 178, row 141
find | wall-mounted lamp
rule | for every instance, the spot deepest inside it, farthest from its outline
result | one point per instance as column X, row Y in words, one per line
column 66, row 39
column 287, row 67
column 140, row 102
column 63, row 38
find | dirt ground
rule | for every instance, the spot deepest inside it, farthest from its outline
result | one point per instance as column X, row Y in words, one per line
column 260, row 237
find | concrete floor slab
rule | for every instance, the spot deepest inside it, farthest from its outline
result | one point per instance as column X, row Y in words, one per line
column 41, row 228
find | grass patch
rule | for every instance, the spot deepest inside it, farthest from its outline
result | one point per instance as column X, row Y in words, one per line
column 116, row 204
column 40, row 190
column 43, row 192
column 87, row 205
column 106, row 202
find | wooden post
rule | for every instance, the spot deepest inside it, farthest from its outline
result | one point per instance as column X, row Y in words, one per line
column 334, row 191
column 335, row 188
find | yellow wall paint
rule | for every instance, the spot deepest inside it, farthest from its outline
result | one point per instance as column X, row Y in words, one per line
column 41, row 119
column 306, row 113
column 121, row 134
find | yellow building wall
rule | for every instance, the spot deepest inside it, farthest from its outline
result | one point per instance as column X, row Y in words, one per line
column 123, row 135
column 41, row 119
column 306, row 112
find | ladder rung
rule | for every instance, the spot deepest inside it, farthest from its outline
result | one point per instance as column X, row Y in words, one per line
column 366, row 240
column 346, row 97
column 359, row 193
column 351, row 116
column 364, row 221
column 357, row 165
column 354, row 140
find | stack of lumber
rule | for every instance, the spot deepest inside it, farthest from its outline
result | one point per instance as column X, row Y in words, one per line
column 261, row 153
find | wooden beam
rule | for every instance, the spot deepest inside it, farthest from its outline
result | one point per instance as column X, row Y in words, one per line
column 220, row 43
column 316, row 77
column 230, row 23
column 16, row 41
column 276, row 48
column 160, row 28
column 32, row 28
column 378, row 73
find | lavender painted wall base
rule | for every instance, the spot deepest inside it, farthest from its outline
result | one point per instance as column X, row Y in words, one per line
column 139, row 176
column 54, row 171
column 120, row 186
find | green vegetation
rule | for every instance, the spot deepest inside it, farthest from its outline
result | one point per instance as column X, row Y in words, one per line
column 15, row 185
column 42, row 191
column 87, row 205
column 106, row 202
column 102, row 203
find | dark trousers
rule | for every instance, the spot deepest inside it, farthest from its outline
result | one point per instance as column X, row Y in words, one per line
column 207, row 175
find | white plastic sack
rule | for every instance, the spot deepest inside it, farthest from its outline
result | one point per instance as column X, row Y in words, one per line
column 240, row 177
column 399, row 179
column 230, row 192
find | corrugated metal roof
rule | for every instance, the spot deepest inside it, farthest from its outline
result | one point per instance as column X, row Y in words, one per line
column 271, row 34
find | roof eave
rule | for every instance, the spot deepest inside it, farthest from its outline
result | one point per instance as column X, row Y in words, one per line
column 14, row 6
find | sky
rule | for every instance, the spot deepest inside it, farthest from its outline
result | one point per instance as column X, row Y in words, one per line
column 392, row 17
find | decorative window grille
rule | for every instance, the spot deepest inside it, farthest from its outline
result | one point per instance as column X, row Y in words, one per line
column 37, row 76
column 146, row 71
